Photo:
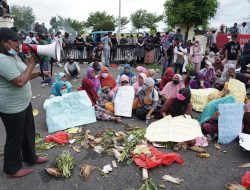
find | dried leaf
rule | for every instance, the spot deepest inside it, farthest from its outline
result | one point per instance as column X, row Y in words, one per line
column 90, row 137
column 172, row 179
column 98, row 149
column 85, row 170
column 116, row 153
column 235, row 186
column 197, row 149
column 247, row 165
column 217, row 146
column 54, row 172
column 98, row 140
column 203, row 155
column 77, row 148
column 114, row 164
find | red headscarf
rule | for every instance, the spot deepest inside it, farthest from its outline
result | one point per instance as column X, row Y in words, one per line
column 108, row 81
column 168, row 77
column 89, row 86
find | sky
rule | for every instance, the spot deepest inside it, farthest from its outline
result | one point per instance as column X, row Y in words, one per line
column 230, row 11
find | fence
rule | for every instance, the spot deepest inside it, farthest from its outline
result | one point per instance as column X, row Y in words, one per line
column 118, row 53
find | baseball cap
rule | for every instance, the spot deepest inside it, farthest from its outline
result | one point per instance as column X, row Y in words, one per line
column 8, row 34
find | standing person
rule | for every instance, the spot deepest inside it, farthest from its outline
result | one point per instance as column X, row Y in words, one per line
column 48, row 38
column 113, row 49
column 45, row 59
column 213, row 38
column 149, row 53
column 123, row 41
column 178, row 35
column 58, row 38
column 246, row 56
column 79, row 41
column 179, row 56
column 196, row 55
column 243, row 29
column 232, row 51
column 71, row 68
column 97, row 52
column 107, row 44
column 89, row 48
column 30, row 39
column 234, row 29
column 16, row 108
column 139, row 50
column 66, row 42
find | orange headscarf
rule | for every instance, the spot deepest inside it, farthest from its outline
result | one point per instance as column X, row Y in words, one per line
column 108, row 81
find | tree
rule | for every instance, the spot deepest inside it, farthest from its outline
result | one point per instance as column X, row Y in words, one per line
column 97, row 18
column 138, row 19
column 106, row 25
column 124, row 22
column 151, row 20
column 190, row 12
column 54, row 22
column 24, row 17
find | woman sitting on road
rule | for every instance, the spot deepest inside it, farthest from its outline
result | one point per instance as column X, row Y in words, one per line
column 62, row 77
column 178, row 106
column 128, row 73
column 200, row 82
column 140, row 82
column 59, row 88
column 106, row 79
column 91, row 76
column 168, row 77
column 101, row 114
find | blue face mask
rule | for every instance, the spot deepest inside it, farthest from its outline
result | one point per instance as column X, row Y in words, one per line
column 12, row 52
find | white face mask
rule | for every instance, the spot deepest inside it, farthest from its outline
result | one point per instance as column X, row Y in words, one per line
column 64, row 91
column 105, row 75
column 12, row 52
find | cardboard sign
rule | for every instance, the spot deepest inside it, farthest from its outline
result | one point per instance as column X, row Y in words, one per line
column 67, row 111
column 177, row 129
column 124, row 101
column 222, row 39
column 230, row 122
column 237, row 89
column 201, row 97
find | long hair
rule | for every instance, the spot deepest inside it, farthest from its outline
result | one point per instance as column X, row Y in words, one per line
column 3, row 49
column 180, row 106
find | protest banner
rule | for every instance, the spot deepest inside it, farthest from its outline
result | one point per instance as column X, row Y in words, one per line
column 67, row 111
column 230, row 122
column 201, row 97
column 124, row 101
column 173, row 129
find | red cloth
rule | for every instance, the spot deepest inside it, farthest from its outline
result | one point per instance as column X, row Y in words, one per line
column 109, row 81
column 89, row 86
column 157, row 158
column 246, row 179
column 59, row 137
column 168, row 76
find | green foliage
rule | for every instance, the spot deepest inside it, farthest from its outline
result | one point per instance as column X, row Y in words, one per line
column 24, row 17
column 190, row 12
column 67, row 24
column 138, row 19
column 106, row 25
column 97, row 18
column 151, row 20
column 64, row 163
column 124, row 22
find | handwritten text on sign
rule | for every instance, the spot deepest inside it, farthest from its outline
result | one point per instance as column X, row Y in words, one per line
column 230, row 122
column 67, row 111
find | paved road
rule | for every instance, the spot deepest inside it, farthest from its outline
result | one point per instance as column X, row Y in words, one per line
column 198, row 174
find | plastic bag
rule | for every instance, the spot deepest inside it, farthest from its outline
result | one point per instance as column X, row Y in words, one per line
column 59, row 137
column 246, row 179
column 157, row 158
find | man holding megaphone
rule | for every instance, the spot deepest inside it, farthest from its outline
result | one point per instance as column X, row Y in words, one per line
column 15, row 106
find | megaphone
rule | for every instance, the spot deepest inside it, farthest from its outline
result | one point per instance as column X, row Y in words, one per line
column 52, row 50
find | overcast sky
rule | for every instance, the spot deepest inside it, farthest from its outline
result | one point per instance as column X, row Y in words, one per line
column 230, row 11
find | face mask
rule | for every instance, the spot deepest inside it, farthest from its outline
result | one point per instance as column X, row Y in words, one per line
column 12, row 52
column 105, row 75
column 176, row 82
column 192, row 77
column 64, row 91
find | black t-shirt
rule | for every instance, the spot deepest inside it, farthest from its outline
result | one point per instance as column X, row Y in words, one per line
column 232, row 48
column 80, row 42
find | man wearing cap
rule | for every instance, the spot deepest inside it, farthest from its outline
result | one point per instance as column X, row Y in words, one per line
column 15, row 106
column 71, row 68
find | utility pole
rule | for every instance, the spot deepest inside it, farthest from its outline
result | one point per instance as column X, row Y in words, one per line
column 119, row 25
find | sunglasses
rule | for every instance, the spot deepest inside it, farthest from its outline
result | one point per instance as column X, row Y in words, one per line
column 124, row 82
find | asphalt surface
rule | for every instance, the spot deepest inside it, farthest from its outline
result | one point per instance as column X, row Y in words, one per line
column 198, row 174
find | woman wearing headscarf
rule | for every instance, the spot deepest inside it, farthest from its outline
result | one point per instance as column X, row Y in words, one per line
column 196, row 55
column 148, row 101
column 91, row 76
column 178, row 106
column 200, row 82
column 106, row 79
column 211, row 75
column 191, row 76
column 59, row 88
column 140, row 81
column 62, row 77
column 211, row 57
column 140, row 50
column 128, row 73
column 209, row 117
column 172, row 88
column 168, row 77
column 101, row 114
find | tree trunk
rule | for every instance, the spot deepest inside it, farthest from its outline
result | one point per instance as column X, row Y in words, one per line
column 187, row 31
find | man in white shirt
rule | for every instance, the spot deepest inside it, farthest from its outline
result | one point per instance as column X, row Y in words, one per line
column 30, row 39
column 72, row 68
column 243, row 29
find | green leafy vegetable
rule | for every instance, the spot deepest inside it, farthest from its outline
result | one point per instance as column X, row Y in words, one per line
column 65, row 162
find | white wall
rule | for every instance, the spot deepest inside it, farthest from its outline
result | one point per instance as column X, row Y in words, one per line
column 6, row 22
